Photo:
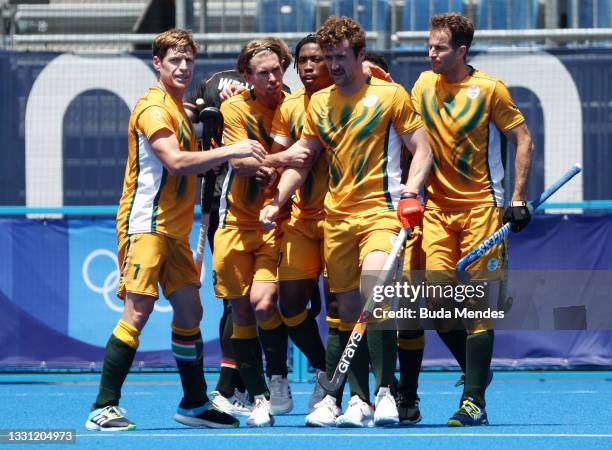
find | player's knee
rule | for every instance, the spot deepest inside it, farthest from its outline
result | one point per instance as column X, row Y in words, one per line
column 332, row 310
column 349, row 312
column 243, row 315
column 289, row 309
column 264, row 310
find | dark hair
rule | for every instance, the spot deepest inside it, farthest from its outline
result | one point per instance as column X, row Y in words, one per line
column 308, row 39
column 336, row 29
column 461, row 28
column 173, row 38
column 377, row 59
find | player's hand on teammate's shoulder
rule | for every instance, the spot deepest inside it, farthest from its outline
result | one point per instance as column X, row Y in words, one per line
column 230, row 90
column 247, row 149
column 268, row 215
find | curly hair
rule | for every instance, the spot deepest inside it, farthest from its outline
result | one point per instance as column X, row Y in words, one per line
column 267, row 44
column 173, row 38
column 336, row 29
column 461, row 28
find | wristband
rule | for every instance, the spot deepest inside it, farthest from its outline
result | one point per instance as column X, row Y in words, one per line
column 518, row 203
column 408, row 195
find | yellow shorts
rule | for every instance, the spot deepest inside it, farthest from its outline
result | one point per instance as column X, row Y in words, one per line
column 449, row 236
column 301, row 255
column 244, row 256
column 149, row 259
column 348, row 241
column 414, row 256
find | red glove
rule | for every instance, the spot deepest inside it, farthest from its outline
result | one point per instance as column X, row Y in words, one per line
column 409, row 210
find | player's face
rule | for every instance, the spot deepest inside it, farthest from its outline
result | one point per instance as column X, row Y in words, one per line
column 442, row 56
column 175, row 69
column 266, row 74
column 343, row 65
column 312, row 68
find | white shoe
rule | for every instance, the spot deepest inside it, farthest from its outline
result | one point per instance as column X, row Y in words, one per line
column 261, row 415
column 280, row 395
column 317, row 395
column 324, row 413
column 385, row 409
column 233, row 405
column 358, row 414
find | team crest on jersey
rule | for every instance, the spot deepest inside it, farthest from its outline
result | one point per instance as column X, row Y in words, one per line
column 492, row 264
column 473, row 92
column 370, row 101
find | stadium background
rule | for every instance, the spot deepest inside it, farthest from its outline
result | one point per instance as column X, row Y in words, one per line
column 71, row 71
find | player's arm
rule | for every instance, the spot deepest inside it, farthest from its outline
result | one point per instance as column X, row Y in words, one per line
column 409, row 208
column 418, row 145
column 521, row 138
column 166, row 147
column 290, row 180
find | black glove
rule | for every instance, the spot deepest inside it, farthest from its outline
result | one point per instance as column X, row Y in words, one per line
column 518, row 216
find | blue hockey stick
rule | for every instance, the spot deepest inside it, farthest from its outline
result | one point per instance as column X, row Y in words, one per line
column 504, row 231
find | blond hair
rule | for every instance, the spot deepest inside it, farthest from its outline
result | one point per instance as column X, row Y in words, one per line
column 257, row 46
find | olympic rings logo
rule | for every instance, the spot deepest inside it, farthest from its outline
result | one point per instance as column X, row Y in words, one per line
column 109, row 286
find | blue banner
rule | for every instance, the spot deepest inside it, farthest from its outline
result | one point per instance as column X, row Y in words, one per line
column 58, row 304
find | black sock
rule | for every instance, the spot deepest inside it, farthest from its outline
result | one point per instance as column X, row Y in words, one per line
column 305, row 335
column 456, row 341
column 382, row 347
column 229, row 377
column 250, row 364
column 188, row 351
column 332, row 356
column 479, row 353
column 118, row 359
column 410, row 355
column 274, row 343
column 359, row 372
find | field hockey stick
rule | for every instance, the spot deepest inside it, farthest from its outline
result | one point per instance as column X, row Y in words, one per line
column 504, row 231
column 333, row 384
column 212, row 131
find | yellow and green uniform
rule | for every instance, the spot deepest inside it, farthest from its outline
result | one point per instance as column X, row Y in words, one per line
column 244, row 251
column 287, row 129
column 242, row 198
column 361, row 135
column 153, row 201
column 301, row 249
column 464, row 121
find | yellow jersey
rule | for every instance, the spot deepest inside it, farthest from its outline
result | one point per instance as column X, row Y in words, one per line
column 361, row 136
column 463, row 122
column 242, row 197
column 153, row 201
column 287, row 129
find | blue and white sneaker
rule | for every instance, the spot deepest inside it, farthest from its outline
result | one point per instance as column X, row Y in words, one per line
column 109, row 418
column 469, row 415
column 205, row 416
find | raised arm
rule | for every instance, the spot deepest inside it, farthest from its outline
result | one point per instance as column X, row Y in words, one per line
column 166, row 147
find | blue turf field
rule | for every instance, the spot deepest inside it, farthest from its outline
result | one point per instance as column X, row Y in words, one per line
column 527, row 410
